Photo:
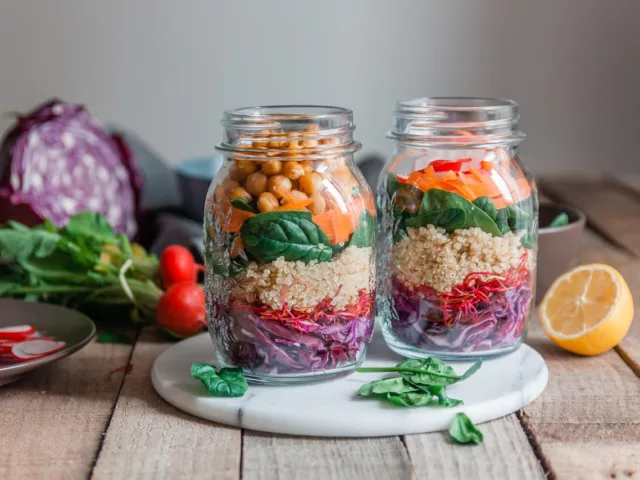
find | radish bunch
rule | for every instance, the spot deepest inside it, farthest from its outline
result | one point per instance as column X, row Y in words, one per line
column 23, row 342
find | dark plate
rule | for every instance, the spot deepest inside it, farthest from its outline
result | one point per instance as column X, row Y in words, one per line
column 60, row 323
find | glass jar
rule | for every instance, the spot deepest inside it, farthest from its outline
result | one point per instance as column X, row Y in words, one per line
column 289, row 245
column 458, row 231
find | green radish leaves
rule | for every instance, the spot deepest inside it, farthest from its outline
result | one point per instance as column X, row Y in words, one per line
column 227, row 382
column 291, row 235
column 18, row 243
column 463, row 430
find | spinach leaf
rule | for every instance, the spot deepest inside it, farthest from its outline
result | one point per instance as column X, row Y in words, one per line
column 413, row 399
column 487, row 206
column 242, row 204
column 437, row 199
column 464, row 431
column 365, row 234
column 502, row 220
column 560, row 221
column 228, row 382
column 519, row 219
column 392, row 184
column 90, row 225
column 225, row 266
column 448, row 218
column 291, row 235
column 19, row 244
column 388, row 385
column 432, row 371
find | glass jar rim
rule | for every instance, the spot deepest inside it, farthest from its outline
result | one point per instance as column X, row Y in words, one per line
column 469, row 121
column 312, row 122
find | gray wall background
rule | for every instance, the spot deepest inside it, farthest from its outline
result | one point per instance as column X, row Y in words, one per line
column 168, row 68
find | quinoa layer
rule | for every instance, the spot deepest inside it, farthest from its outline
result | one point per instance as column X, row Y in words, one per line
column 304, row 285
column 432, row 257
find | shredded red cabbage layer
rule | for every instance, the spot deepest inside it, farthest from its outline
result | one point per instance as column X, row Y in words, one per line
column 296, row 341
column 484, row 312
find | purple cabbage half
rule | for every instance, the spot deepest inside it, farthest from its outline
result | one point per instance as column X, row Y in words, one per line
column 273, row 348
column 498, row 323
column 58, row 160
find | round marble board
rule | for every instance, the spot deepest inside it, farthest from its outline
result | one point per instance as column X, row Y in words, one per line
column 331, row 408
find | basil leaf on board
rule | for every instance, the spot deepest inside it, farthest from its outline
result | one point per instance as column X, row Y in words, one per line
column 502, row 220
column 448, row 218
column 413, row 399
column 437, row 199
column 463, row 430
column 291, row 235
column 19, row 244
column 434, row 372
column 228, row 382
column 242, row 204
column 388, row 385
column 365, row 234
column 487, row 206
column 560, row 221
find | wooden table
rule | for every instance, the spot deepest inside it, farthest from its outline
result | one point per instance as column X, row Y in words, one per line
column 76, row 419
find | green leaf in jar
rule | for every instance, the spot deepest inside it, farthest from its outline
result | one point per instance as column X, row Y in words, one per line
column 487, row 206
column 228, row 382
column 502, row 220
column 291, row 235
column 437, row 199
column 365, row 234
column 448, row 218
column 242, row 204
column 519, row 219
column 463, row 430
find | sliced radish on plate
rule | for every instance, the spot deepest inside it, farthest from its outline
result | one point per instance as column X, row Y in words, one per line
column 17, row 332
column 31, row 349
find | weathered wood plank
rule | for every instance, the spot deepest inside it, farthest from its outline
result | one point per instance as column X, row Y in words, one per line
column 52, row 421
column 612, row 210
column 148, row 438
column 505, row 453
column 586, row 422
column 279, row 457
column 617, row 220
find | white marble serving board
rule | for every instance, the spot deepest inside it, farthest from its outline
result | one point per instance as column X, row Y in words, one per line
column 330, row 408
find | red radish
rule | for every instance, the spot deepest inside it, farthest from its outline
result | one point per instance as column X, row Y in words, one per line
column 177, row 265
column 31, row 349
column 181, row 310
column 17, row 332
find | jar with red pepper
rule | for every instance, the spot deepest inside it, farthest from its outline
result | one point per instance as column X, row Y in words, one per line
column 458, row 230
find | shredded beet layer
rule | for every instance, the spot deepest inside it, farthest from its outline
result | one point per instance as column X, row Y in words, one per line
column 482, row 313
column 288, row 341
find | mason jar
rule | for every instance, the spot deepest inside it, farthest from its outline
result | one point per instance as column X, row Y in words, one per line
column 458, row 230
column 289, row 245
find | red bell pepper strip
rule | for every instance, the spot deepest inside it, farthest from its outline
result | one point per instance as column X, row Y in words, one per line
column 449, row 165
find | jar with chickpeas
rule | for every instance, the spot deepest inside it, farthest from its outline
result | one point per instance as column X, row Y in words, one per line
column 289, row 245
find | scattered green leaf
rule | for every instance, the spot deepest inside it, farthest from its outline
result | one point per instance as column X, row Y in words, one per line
column 228, row 382
column 464, row 431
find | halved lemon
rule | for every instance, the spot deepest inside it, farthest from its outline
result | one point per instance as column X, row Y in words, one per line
column 588, row 310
